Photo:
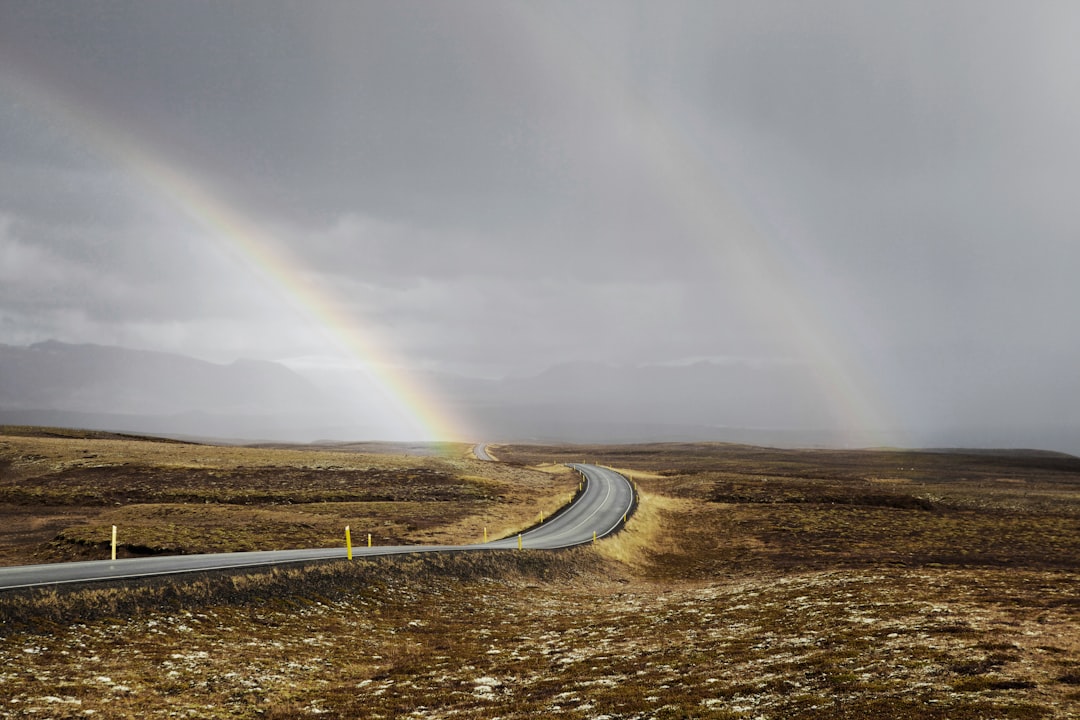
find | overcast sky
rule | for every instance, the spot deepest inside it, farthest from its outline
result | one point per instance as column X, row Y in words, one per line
column 883, row 190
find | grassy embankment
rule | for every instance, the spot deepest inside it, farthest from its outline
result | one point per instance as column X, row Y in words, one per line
column 752, row 583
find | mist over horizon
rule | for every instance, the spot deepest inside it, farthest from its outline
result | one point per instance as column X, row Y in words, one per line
column 824, row 224
column 117, row 389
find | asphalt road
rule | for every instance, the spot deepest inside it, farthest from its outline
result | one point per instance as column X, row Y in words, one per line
column 481, row 453
column 607, row 497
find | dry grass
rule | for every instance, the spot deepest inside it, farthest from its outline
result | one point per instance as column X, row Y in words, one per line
column 524, row 636
column 649, row 533
column 760, row 584
column 59, row 496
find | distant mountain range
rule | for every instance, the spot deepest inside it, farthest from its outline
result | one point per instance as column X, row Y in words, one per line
column 98, row 379
column 111, row 388
column 596, row 402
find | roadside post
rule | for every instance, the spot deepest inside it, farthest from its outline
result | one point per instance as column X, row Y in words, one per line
column 113, row 542
column 348, row 542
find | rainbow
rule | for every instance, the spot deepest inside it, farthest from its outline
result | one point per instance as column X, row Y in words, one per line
column 416, row 406
column 727, row 233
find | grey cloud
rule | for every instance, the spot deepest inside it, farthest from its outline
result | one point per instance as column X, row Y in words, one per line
column 496, row 187
column 350, row 105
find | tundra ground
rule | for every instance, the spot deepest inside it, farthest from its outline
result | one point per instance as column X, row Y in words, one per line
column 751, row 583
column 62, row 491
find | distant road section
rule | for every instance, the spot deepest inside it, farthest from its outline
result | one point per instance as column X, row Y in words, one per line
column 607, row 498
column 480, row 450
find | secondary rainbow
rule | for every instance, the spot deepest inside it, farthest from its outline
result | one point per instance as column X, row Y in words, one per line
column 726, row 232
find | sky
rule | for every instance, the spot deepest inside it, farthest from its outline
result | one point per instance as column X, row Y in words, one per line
column 881, row 192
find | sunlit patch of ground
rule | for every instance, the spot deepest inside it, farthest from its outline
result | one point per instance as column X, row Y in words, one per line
column 59, row 497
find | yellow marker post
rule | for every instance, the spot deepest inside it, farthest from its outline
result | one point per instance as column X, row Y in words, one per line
column 369, row 539
column 594, row 536
column 624, row 518
column 113, row 542
column 519, row 541
column 348, row 543
column 485, row 534
column 541, row 516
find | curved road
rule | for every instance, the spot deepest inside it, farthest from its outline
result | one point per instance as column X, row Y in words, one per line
column 481, row 453
column 608, row 496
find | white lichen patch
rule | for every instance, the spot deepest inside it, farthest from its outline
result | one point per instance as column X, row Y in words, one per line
column 755, row 650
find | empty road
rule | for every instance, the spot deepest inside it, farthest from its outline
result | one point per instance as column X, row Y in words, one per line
column 608, row 496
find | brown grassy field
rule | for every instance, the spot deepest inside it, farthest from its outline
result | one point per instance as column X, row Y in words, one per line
column 61, row 491
column 751, row 583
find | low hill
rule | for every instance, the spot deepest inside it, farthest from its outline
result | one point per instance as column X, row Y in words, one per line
column 99, row 379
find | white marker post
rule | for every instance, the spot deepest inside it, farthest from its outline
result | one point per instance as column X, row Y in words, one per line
column 113, row 542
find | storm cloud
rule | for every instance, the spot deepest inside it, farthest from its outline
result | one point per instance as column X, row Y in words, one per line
column 881, row 193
